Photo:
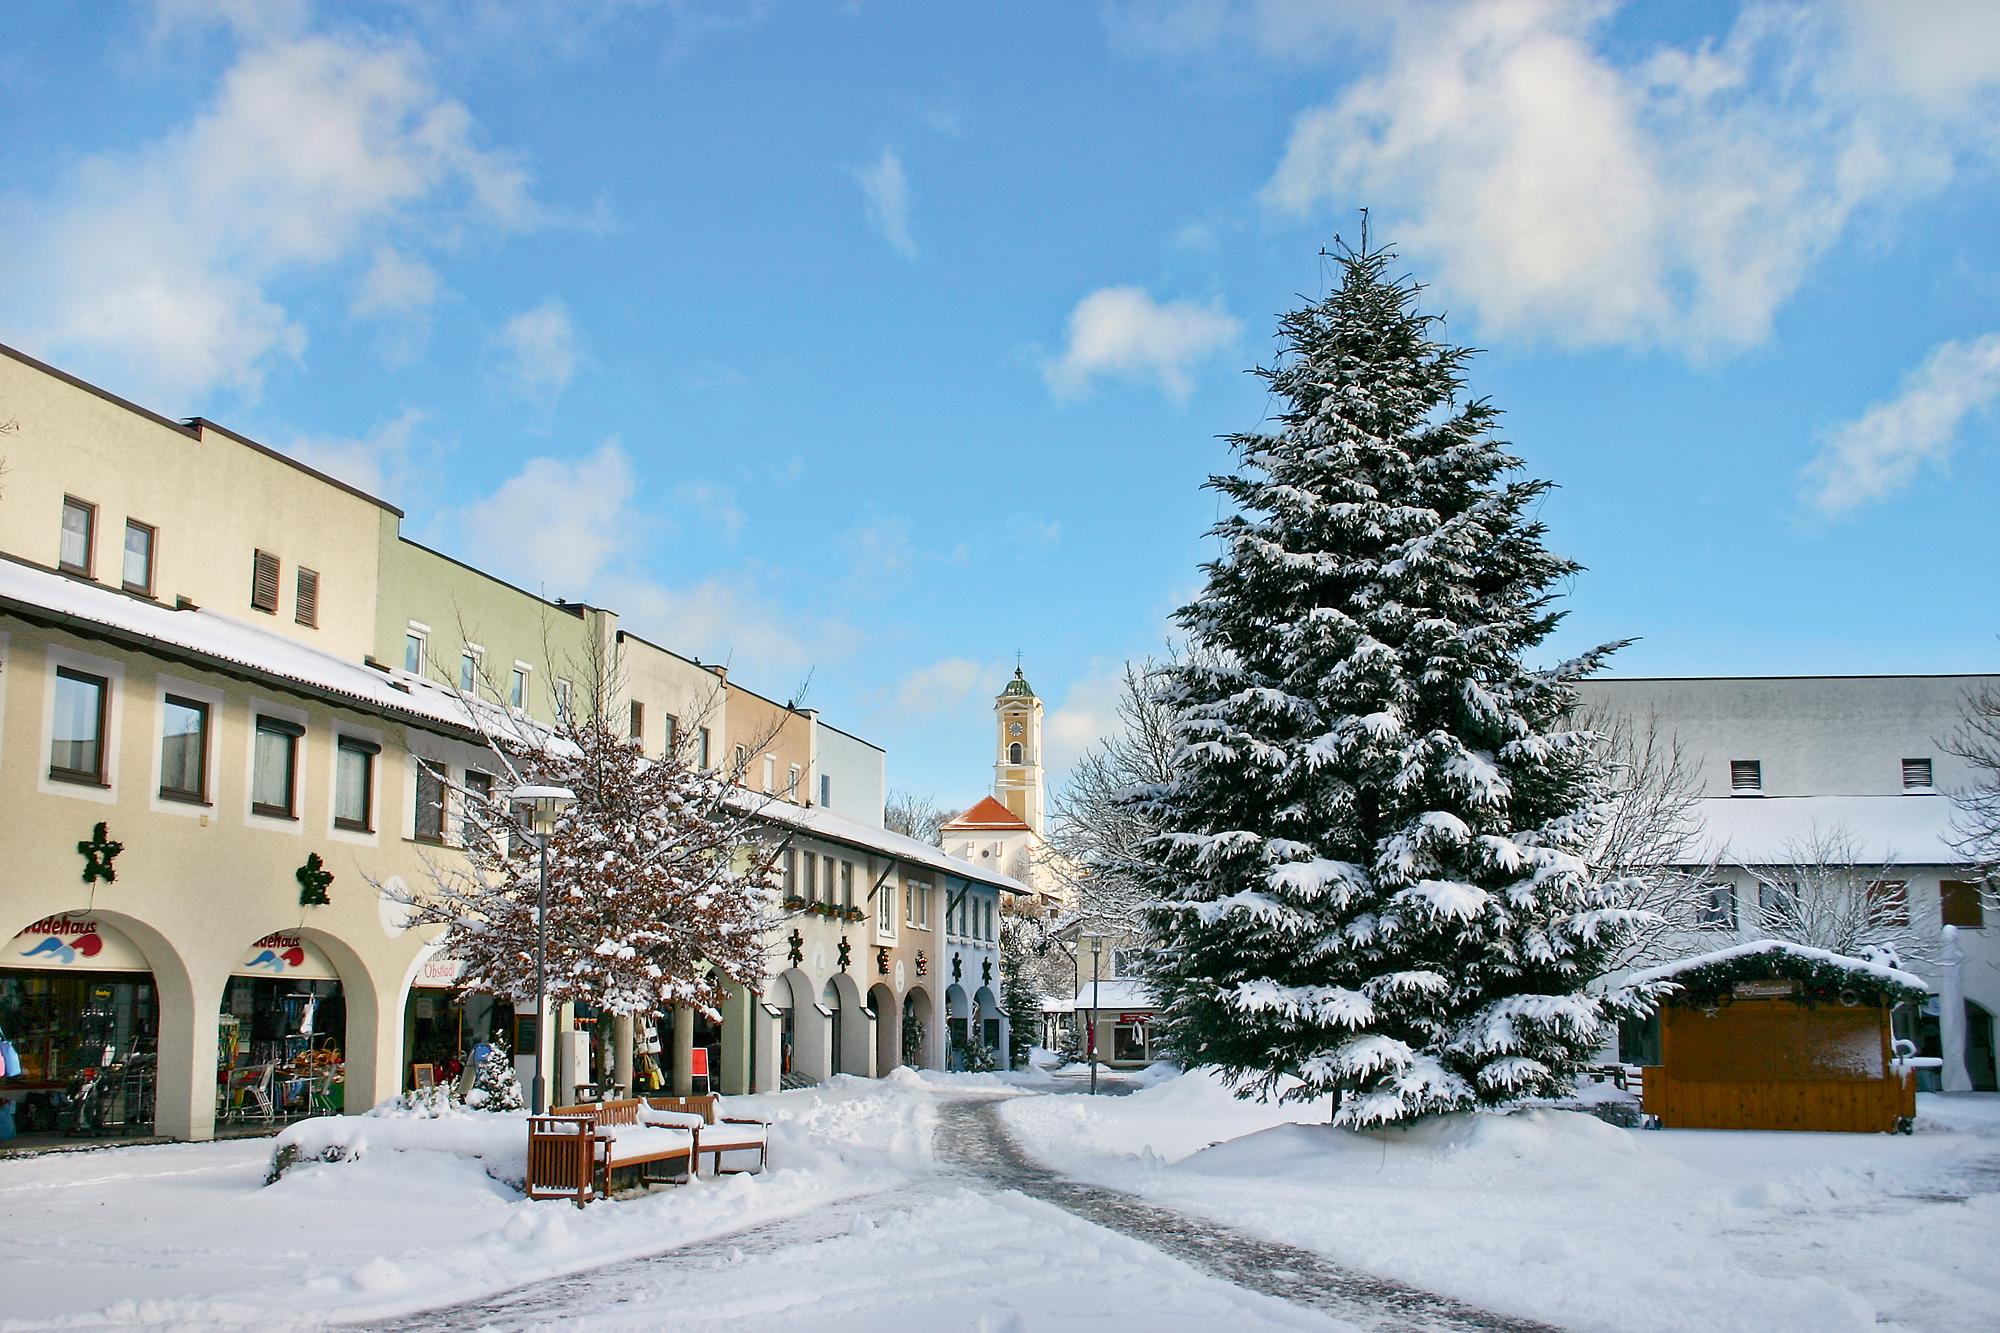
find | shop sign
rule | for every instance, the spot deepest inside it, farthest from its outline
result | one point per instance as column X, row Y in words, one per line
column 75, row 943
column 1764, row 990
column 439, row 974
column 283, row 953
column 1134, row 1018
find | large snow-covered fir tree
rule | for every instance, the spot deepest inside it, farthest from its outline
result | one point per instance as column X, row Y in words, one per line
column 661, row 885
column 1373, row 877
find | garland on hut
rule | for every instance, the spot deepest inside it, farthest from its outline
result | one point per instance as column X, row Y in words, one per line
column 1824, row 978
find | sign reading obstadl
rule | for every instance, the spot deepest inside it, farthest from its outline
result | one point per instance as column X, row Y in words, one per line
column 1764, row 990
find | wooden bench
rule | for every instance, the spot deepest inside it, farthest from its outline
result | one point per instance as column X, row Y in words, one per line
column 573, row 1150
column 718, row 1134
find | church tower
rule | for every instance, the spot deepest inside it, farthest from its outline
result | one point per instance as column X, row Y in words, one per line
column 1017, row 770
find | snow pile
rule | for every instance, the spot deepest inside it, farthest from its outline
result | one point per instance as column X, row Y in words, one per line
column 1779, row 952
column 498, row 1139
column 1553, row 1215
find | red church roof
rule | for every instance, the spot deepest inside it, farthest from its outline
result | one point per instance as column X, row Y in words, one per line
column 988, row 814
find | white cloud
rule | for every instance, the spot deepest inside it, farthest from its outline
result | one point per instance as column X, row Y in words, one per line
column 951, row 686
column 1878, row 452
column 1124, row 332
column 887, row 191
column 383, row 462
column 160, row 264
column 539, row 348
column 735, row 621
column 395, row 284
column 1676, row 199
column 1088, row 713
column 556, row 526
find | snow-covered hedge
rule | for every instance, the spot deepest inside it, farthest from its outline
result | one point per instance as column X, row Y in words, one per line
column 498, row 1139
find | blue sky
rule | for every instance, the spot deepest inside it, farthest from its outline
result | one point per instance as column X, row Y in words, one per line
column 878, row 342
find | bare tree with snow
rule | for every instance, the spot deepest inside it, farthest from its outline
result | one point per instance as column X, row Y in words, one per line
column 1825, row 894
column 1976, row 815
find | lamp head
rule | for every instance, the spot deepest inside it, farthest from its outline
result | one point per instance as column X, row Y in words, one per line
column 541, row 806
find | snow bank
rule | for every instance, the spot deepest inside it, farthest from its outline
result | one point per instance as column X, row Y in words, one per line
column 1553, row 1215
column 498, row 1139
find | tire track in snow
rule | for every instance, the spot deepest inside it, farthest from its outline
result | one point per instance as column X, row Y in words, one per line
column 972, row 1136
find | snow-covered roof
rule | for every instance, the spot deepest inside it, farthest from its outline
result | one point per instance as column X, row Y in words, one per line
column 988, row 814
column 1115, row 993
column 824, row 823
column 1858, row 966
column 1767, row 830
column 225, row 643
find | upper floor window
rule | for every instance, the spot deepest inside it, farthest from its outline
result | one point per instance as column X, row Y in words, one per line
column 1961, row 905
column 1916, row 775
column 1014, row 753
column 702, row 748
column 809, row 870
column 847, row 884
column 770, row 772
column 1715, row 907
column 474, row 803
column 305, row 605
column 673, row 736
column 1889, row 902
column 184, row 749
column 415, row 642
column 76, row 754
column 428, row 826
column 517, row 688
column 885, row 910
column 468, row 670
column 792, row 783
column 1124, row 962
column 138, row 576
column 79, row 535
column 563, row 692
column 1746, row 777
column 354, row 784
column 825, row 789
column 264, row 582
column 1776, row 903
column 637, row 712
column 274, row 768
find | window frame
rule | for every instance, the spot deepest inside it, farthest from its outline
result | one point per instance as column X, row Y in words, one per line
column 1929, row 769
column 1894, row 894
column 257, row 558
column 421, row 636
column 474, row 779
column 770, row 774
column 517, row 687
column 169, row 699
column 471, row 658
column 152, row 557
column 706, row 748
column 1706, row 917
column 792, row 776
column 885, row 911
column 101, row 747
column 635, row 720
column 1753, row 769
column 825, row 790
column 261, row 725
column 89, row 510
column 369, row 751
column 564, row 693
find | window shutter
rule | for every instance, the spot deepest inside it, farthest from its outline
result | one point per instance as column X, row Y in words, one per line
column 307, row 609
column 1916, row 774
column 1746, row 775
column 264, row 583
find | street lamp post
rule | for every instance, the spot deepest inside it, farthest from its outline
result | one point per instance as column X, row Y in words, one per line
column 1097, row 969
column 541, row 806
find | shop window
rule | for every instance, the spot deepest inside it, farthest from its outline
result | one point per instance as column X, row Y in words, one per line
column 264, row 582
column 76, row 753
column 354, row 784
column 414, row 643
column 429, row 821
column 1128, row 1041
column 184, row 749
column 138, row 574
column 1961, row 904
column 274, row 769
column 1715, row 907
column 79, row 535
column 478, row 797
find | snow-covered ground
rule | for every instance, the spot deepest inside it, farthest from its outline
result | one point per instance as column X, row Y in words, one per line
column 1557, row 1216
column 1546, row 1214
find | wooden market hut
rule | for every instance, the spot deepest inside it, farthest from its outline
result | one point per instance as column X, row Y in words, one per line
column 1774, row 1035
